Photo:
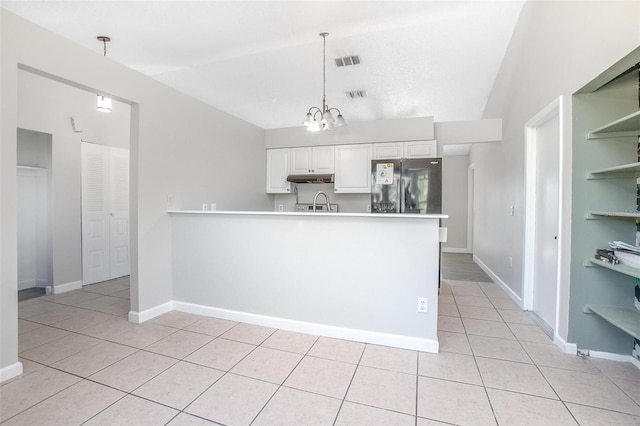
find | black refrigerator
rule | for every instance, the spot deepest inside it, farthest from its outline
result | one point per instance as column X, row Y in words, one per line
column 406, row 186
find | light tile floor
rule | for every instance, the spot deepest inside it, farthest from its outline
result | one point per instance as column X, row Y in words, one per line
column 85, row 364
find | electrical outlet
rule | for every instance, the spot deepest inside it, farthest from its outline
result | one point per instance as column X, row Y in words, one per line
column 512, row 210
column 170, row 201
column 510, row 261
column 280, row 207
column 422, row 304
column 368, row 208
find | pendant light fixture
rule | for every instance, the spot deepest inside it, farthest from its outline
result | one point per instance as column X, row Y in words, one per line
column 104, row 103
column 321, row 118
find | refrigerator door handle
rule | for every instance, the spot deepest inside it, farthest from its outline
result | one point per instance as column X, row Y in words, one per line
column 400, row 208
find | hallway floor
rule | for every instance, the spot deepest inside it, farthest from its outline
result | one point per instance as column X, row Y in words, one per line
column 86, row 364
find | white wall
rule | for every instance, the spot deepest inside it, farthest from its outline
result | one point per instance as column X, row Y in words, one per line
column 179, row 146
column 454, row 201
column 556, row 48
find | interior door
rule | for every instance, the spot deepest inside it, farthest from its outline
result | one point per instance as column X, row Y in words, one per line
column 105, row 213
column 119, row 212
column 546, row 226
column 96, row 252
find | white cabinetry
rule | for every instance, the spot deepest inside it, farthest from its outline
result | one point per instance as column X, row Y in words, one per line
column 388, row 151
column 278, row 170
column 412, row 149
column 420, row 149
column 307, row 160
column 353, row 168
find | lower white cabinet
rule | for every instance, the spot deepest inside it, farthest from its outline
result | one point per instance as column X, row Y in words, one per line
column 278, row 170
column 353, row 168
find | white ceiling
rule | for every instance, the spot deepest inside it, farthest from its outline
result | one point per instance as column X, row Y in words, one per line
column 262, row 60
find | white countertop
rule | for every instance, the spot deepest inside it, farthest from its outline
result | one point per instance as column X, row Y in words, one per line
column 298, row 214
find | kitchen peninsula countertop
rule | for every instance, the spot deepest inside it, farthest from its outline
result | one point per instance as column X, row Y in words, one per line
column 297, row 214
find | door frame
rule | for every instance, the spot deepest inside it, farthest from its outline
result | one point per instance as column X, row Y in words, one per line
column 554, row 109
column 471, row 187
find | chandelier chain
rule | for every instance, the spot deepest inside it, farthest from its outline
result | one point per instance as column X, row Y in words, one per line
column 324, row 71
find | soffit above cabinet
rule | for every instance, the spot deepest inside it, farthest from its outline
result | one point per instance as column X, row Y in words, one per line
column 405, row 129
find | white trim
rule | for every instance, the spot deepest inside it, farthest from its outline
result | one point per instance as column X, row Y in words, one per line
column 146, row 315
column 11, row 371
column 394, row 340
column 615, row 357
column 554, row 109
column 455, row 250
column 471, row 185
column 567, row 348
column 517, row 299
column 63, row 288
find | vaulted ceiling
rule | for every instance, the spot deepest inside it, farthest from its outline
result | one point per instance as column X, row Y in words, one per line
column 262, row 60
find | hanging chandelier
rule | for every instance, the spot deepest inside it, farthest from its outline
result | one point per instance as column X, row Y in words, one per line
column 322, row 118
column 104, row 103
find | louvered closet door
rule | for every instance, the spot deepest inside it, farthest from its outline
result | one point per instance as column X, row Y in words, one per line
column 96, row 261
column 119, row 211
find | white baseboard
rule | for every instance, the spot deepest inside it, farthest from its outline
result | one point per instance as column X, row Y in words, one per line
column 63, row 288
column 10, row 371
column 140, row 317
column 615, row 357
column 398, row 341
column 517, row 299
column 455, row 250
column 567, row 348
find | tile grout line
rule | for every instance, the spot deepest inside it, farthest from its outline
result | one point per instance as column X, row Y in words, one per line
column 344, row 398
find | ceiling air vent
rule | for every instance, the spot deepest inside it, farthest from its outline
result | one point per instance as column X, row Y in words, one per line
column 347, row 60
column 354, row 94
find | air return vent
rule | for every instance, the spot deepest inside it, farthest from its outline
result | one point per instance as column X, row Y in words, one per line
column 355, row 94
column 347, row 60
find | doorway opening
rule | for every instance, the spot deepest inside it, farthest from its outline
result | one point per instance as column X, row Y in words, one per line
column 543, row 215
column 35, row 256
column 67, row 112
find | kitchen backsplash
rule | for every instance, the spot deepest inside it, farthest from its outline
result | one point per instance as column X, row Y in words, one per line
column 349, row 203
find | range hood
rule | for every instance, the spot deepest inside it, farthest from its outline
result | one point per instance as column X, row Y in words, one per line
column 319, row 178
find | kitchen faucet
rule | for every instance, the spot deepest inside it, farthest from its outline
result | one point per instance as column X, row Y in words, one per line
column 325, row 198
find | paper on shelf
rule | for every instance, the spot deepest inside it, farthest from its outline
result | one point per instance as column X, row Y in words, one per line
column 622, row 246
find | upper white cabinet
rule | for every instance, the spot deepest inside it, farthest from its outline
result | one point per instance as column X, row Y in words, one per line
column 278, row 170
column 420, row 149
column 353, row 168
column 390, row 150
column 316, row 159
column 413, row 149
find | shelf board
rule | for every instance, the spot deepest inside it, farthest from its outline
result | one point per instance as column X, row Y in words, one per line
column 627, row 320
column 625, row 126
column 612, row 215
column 622, row 171
column 623, row 269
